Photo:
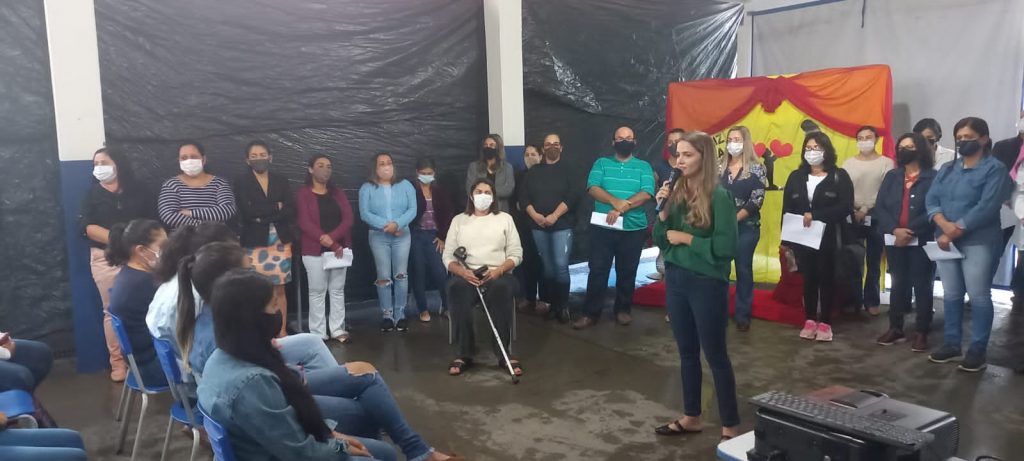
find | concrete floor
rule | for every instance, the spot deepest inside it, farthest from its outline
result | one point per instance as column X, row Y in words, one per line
column 597, row 394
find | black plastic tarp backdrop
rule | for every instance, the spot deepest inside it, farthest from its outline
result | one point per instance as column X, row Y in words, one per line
column 34, row 294
column 593, row 65
column 344, row 78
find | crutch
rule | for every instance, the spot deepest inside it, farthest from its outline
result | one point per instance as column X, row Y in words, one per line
column 460, row 255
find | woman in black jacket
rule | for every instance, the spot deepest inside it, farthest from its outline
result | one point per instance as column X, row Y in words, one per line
column 264, row 212
column 900, row 215
column 820, row 191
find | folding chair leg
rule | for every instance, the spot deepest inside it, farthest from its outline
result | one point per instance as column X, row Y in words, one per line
column 138, row 431
column 451, row 333
column 119, row 415
column 195, row 444
column 167, row 437
column 123, row 432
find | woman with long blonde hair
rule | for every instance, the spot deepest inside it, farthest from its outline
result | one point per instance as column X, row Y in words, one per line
column 744, row 176
column 696, row 232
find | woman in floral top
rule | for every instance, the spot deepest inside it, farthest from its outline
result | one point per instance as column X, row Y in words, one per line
column 743, row 176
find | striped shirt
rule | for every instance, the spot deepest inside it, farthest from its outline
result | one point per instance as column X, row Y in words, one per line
column 623, row 180
column 212, row 202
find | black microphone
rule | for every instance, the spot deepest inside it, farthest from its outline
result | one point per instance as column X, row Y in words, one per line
column 672, row 177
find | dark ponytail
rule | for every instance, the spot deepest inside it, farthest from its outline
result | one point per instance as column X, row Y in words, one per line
column 123, row 238
column 239, row 299
column 200, row 270
column 185, row 241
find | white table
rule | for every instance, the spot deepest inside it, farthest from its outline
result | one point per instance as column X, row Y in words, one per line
column 736, row 449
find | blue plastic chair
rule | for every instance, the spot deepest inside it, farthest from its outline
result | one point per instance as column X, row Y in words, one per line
column 18, row 405
column 182, row 411
column 132, row 385
column 222, row 450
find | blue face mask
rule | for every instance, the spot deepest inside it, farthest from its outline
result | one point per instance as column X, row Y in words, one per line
column 426, row 178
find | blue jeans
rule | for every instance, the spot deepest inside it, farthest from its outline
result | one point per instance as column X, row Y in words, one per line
column 391, row 256
column 306, row 349
column 28, row 366
column 425, row 264
column 971, row 275
column 746, row 243
column 338, row 389
column 554, row 248
column 624, row 248
column 911, row 270
column 41, row 445
column 698, row 308
column 866, row 294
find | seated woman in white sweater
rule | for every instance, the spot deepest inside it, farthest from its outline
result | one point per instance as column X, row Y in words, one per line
column 490, row 239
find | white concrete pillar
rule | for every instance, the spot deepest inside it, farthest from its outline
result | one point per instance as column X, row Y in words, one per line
column 78, row 113
column 503, row 27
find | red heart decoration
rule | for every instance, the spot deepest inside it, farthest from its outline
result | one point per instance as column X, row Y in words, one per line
column 759, row 149
column 781, row 150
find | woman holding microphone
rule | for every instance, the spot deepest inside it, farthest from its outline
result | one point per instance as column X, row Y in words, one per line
column 697, row 233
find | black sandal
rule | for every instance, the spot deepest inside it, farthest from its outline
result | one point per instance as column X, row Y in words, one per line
column 461, row 364
column 677, row 430
column 515, row 366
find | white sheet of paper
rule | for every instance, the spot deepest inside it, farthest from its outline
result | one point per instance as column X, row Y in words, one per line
column 890, row 240
column 793, row 231
column 937, row 254
column 1007, row 218
column 867, row 221
column 601, row 219
column 333, row 262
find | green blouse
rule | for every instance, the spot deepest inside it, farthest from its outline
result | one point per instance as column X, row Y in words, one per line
column 712, row 250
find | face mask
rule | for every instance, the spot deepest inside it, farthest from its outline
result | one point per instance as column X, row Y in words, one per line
column 270, row 324
column 104, row 173
column 191, row 167
column 483, row 202
column 734, row 148
column 814, row 157
column 490, row 153
column 552, row 153
column 426, row 178
column 322, row 175
column 625, row 148
column 906, row 156
column 866, row 146
column 259, row 165
column 156, row 258
column 968, row 148
column 531, row 161
column 385, row 173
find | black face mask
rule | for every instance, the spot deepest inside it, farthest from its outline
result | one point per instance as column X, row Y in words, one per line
column 968, row 148
column 270, row 324
column 259, row 165
column 906, row 156
column 490, row 153
column 625, row 147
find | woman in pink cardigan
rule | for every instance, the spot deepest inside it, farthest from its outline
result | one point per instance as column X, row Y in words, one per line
column 325, row 221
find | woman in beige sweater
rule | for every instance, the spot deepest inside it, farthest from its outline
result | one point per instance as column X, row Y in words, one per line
column 866, row 170
column 492, row 242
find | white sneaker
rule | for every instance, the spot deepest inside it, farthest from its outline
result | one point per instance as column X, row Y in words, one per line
column 810, row 330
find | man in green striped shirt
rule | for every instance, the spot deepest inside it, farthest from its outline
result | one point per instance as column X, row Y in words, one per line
column 620, row 185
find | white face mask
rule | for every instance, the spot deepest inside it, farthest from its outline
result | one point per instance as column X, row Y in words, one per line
column 192, row 166
column 734, row 148
column 104, row 173
column 814, row 157
column 866, row 146
column 531, row 161
column 482, row 202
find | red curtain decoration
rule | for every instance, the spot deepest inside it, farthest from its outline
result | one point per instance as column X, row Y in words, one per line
column 844, row 99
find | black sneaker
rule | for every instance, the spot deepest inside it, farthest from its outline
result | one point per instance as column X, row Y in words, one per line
column 972, row 362
column 945, row 354
column 387, row 325
column 402, row 326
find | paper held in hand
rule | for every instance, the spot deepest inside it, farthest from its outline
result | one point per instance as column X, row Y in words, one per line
column 890, row 241
column 332, row 261
column 601, row 219
column 938, row 254
column 793, row 231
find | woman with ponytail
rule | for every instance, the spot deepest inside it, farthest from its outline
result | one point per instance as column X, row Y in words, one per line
column 697, row 234
column 136, row 248
column 263, row 405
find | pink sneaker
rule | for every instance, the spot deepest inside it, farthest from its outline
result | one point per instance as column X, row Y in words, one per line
column 824, row 332
column 809, row 328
